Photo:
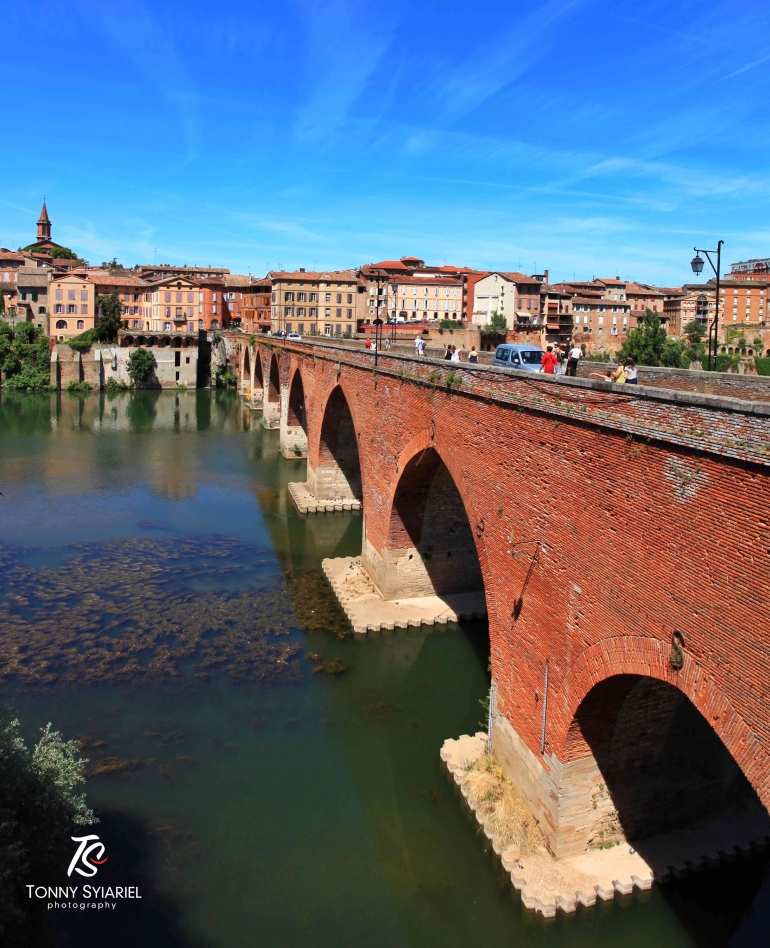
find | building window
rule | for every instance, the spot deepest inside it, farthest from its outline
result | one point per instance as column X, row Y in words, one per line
column 338, row 330
column 61, row 323
column 350, row 297
column 313, row 310
column 58, row 308
column 71, row 309
column 338, row 313
column 327, row 312
column 84, row 309
column 350, row 314
column 59, row 295
column 301, row 297
column 328, row 297
column 70, row 294
column 167, row 297
column 301, row 309
column 81, row 324
column 288, row 297
column 328, row 329
column 288, row 327
column 313, row 297
column 289, row 310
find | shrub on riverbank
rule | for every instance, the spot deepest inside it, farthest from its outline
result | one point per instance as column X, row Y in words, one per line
column 82, row 343
column 39, row 811
column 24, row 358
column 500, row 806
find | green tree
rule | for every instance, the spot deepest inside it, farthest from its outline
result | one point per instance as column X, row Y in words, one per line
column 695, row 350
column 649, row 344
column 2, row 304
column 141, row 365
column 110, row 311
column 497, row 323
column 24, row 357
column 39, row 810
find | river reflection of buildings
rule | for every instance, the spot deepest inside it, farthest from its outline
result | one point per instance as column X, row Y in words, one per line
column 172, row 466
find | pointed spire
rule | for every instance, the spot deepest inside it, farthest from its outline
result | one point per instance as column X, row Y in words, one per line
column 44, row 214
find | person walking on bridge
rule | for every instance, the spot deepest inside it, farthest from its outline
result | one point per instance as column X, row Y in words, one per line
column 575, row 354
column 549, row 362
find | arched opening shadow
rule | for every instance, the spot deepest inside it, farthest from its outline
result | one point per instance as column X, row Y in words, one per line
column 661, row 764
column 246, row 374
column 338, row 472
column 429, row 526
column 296, row 416
column 259, row 380
column 274, row 382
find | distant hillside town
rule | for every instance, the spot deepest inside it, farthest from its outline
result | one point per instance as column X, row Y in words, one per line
column 48, row 285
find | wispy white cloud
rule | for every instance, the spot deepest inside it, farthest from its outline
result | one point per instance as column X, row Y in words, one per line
column 150, row 47
column 344, row 41
column 747, row 67
column 497, row 61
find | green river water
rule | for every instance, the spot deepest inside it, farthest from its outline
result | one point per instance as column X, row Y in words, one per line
column 162, row 601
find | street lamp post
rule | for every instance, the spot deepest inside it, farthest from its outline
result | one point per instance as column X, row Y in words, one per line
column 697, row 267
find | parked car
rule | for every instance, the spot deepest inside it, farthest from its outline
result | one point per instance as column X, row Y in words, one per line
column 279, row 333
column 511, row 356
column 294, row 336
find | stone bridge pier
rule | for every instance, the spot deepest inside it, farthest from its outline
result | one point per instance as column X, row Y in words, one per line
column 615, row 536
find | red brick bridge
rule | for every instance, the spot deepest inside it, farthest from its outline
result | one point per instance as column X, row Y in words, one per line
column 619, row 535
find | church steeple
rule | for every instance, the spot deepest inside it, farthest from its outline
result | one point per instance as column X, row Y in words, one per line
column 44, row 225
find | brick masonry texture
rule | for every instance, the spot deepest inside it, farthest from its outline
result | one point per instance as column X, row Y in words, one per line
column 615, row 515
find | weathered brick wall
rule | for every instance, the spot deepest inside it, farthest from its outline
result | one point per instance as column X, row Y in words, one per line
column 647, row 512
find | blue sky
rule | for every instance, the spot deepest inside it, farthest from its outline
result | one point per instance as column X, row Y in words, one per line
column 591, row 138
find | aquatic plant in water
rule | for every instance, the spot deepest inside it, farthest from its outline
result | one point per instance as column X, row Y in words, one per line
column 132, row 611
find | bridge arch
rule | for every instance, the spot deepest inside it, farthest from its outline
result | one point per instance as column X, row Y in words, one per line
column 245, row 368
column 650, row 657
column 631, row 747
column 258, row 384
column 274, row 380
column 653, row 762
column 428, row 539
column 335, row 470
column 294, row 439
column 296, row 411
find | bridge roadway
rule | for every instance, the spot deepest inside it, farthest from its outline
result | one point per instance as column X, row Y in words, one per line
column 619, row 535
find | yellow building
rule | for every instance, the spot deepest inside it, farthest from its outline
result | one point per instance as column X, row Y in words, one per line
column 314, row 302
column 71, row 308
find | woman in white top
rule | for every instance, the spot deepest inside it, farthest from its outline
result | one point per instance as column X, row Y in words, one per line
column 631, row 377
column 457, row 355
